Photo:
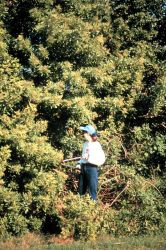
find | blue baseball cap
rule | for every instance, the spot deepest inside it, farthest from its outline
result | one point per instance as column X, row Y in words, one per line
column 89, row 129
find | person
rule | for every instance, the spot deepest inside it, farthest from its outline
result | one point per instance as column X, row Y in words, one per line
column 92, row 157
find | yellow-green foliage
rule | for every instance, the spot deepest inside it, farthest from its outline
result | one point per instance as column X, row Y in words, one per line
column 83, row 218
column 68, row 63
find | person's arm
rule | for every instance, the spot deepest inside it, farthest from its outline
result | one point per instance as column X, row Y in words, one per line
column 85, row 153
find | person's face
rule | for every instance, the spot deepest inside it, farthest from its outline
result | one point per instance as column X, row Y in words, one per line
column 87, row 136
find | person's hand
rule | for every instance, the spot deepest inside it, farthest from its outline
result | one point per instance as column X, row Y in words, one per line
column 78, row 166
column 85, row 156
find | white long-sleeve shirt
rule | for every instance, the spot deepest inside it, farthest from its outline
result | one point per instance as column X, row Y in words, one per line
column 93, row 153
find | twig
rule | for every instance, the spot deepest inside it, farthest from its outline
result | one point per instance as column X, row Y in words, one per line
column 127, row 185
column 155, row 187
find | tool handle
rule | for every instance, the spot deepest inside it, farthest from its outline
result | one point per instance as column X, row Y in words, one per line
column 72, row 159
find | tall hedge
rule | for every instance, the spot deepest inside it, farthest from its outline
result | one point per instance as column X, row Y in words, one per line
column 69, row 63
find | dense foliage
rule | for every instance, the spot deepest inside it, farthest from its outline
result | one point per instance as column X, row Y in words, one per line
column 69, row 63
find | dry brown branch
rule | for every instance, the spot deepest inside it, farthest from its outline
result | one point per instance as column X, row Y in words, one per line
column 154, row 187
column 127, row 185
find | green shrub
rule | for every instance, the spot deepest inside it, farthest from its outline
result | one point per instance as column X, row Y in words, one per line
column 12, row 220
column 140, row 206
column 83, row 218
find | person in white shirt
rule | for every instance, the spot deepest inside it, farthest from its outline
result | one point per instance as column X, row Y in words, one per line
column 92, row 157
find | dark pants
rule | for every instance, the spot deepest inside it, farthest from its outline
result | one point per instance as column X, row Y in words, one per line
column 88, row 180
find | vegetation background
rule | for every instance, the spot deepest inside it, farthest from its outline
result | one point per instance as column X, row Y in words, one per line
column 69, row 63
